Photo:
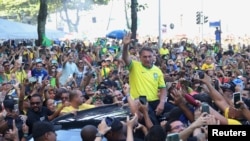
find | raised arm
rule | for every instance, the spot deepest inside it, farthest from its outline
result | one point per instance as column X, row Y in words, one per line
column 125, row 55
column 214, row 94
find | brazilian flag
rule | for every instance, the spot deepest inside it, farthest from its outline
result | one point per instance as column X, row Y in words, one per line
column 46, row 41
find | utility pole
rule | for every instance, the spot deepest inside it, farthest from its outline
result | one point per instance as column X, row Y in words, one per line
column 160, row 25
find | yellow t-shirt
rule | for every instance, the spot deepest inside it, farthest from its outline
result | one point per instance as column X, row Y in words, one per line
column 105, row 70
column 21, row 76
column 145, row 81
column 70, row 109
column 207, row 66
column 7, row 75
column 31, row 54
column 85, row 106
column 163, row 51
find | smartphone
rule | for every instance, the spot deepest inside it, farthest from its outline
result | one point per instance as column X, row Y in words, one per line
column 236, row 98
column 205, row 108
column 173, row 137
column 109, row 121
column 143, row 100
column 218, row 68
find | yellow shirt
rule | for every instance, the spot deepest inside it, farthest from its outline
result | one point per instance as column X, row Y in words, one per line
column 7, row 75
column 21, row 76
column 105, row 70
column 70, row 109
column 31, row 54
column 207, row 66
column 144, row 81
column 163, row 51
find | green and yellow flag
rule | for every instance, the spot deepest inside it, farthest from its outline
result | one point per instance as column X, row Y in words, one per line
column 46, row 41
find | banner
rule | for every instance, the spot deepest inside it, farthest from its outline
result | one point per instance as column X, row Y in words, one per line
column 215, row 24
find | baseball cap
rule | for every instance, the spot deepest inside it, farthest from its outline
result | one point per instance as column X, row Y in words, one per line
column 38, row 60
column 228, row 86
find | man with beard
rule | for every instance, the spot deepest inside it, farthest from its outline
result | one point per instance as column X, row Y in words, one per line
column 37, row 112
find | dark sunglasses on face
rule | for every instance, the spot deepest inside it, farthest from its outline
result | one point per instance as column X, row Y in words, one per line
column 173, row 75
column 35, row 103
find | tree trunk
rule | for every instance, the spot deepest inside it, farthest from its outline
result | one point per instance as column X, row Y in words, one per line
column 67, row 17
column 126, row 15
column 134, row 4
column 41, row 20
column 73, row 27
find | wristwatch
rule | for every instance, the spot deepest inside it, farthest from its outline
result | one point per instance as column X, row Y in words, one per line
column 99, row 135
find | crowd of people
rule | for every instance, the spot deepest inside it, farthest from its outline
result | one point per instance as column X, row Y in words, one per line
column 177, row 89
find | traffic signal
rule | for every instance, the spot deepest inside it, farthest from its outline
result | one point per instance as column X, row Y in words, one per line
column 205, row 19
column 198, row 17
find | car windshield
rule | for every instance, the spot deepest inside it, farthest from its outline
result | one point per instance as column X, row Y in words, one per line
column 67, row 135
column 68, row 127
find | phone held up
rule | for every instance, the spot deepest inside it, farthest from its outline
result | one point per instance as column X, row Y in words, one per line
column 237, row 97
column 205, row 108
column 143, row 100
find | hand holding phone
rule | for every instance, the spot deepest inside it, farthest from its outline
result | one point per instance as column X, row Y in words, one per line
column 143, row 100
column 109, row 121
column 205, row 108
column 237, row 97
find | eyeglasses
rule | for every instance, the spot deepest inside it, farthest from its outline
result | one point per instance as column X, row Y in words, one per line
column 35, row 103
column 173, row 74
column 178, row 127
column 6, row 65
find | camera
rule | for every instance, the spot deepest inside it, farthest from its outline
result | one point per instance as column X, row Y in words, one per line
column 200, row 73
column 104, row 91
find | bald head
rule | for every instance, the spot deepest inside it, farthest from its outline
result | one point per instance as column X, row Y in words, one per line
column 88, row 133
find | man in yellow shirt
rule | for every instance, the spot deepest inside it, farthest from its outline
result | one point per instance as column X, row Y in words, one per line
column 146, row 79
column 19, row 72
column 7, row 69
column 76, row 103
column 164, row 50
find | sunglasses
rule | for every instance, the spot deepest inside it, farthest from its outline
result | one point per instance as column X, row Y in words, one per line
column 173, row 74
column 35, row 103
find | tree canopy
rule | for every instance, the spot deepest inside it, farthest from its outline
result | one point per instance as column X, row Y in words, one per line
column 27, row 10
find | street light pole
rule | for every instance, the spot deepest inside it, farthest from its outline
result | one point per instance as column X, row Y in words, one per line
column 202, row 20
column 160, row 32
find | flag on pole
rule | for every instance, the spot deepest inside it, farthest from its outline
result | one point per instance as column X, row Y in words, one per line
column 46, row 41
column 215, row 24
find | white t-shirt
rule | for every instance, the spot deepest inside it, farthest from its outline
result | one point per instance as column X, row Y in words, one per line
column 67, row 70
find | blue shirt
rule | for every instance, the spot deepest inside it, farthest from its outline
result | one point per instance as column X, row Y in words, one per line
column 36, row 73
